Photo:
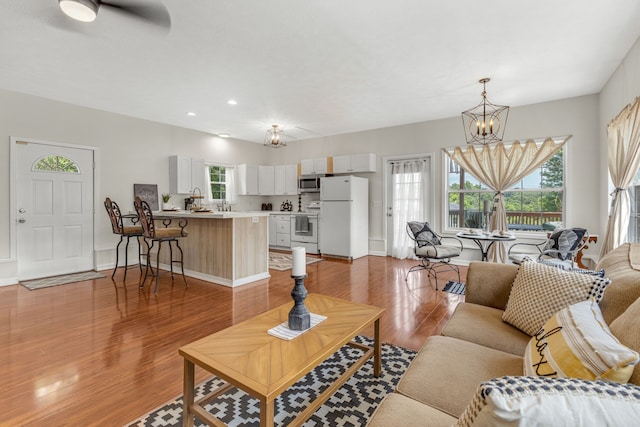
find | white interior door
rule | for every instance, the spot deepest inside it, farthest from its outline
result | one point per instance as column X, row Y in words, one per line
column 54, row 201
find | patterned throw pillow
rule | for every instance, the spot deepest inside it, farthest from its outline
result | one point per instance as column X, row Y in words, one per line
column 564, row 240
column 567, row 267
column 511, row 401
column 539, row 291
column 423, row 234
column 576, row 343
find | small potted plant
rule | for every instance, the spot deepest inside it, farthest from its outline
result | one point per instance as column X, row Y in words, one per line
column 165, row 202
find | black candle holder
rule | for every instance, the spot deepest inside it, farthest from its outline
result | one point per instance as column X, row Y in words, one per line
column 299, row 316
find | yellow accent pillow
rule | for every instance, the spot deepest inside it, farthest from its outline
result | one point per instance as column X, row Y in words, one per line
column 577, row 343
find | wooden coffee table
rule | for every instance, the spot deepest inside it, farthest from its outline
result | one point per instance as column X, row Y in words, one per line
column 264, row 366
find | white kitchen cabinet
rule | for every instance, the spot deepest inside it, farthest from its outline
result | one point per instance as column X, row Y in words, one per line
column 286, row 180
column 282, row 231
column 266, row 180
column 185, row 174
column 316, row 166
column 352, row 163
column 247, row 177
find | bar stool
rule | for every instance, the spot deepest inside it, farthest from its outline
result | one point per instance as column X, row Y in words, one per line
column 160, row 235
column 118, row 227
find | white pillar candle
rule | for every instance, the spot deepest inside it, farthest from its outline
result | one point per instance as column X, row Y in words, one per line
column 299, row 261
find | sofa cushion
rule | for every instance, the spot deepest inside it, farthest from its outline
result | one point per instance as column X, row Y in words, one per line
column 563, row 241
column 539, row 401
column 399, row 410
column 627, row 329
column 423, row 234
column 447, row 371
column 625, row 280
column 484, row 325
column 540, row 291
column 576, row 343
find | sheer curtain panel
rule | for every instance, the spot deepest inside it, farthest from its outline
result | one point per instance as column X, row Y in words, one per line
column 408, row 180
column 623, row 146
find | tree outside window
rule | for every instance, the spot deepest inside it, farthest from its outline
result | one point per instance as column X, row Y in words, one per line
column 218, row 176
column 56, row 164
column 534, row 204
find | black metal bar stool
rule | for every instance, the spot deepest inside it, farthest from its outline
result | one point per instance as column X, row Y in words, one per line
column 118, row 227
column 160, row 235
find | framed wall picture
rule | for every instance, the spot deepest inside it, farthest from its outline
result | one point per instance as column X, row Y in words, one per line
column 148, row 193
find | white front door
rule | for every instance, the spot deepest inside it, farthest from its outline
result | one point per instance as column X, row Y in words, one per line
column 54, row 204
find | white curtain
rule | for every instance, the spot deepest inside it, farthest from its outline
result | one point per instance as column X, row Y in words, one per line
column 409, row 187
column 499, row 167
column 623, row 145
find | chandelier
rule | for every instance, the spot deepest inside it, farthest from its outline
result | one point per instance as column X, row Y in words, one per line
column 275, row 137
column 485, row 123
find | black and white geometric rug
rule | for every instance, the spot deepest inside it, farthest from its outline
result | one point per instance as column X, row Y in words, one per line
column 452, row 287
column 352, row 405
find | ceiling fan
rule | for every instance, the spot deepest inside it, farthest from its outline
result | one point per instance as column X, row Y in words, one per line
column 87, row 10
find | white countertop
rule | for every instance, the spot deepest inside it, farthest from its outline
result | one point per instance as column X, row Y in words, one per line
column 213, row 214
column 309, row 213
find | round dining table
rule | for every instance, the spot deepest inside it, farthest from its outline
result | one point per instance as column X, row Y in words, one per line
column 485, row 240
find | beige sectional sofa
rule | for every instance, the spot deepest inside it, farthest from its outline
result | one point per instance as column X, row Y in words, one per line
column 476, row 345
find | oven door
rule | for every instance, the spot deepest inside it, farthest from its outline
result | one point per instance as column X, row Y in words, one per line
column 304, row 228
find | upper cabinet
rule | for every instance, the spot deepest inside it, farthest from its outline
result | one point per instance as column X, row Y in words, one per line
column 247, row 180
column 286, row 180
column 253, row 180
column 185, row 174
column 314, row 166
column 354, row 163
column 266, row 180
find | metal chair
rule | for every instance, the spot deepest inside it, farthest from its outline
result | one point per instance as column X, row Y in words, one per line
column 434, row 256
column 118, row 227
column 160, row 235
column 559, row 249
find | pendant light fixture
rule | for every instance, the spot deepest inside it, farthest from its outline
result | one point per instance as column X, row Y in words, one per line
column 485, row 123
column 275, row 137
column 80, row 10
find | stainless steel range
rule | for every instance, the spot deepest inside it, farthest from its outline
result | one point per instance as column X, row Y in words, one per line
column 304, row 228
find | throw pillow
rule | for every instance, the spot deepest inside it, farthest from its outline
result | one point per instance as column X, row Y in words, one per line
column 567, row 267
column 423, row 234
column 564, row 241
column 539, row 291
column 576, row 343
column 539, row 401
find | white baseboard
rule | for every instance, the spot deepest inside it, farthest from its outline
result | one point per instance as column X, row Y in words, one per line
column 6, row 281
column 377, row 253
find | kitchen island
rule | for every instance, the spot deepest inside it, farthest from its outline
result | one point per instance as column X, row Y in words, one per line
column 227, row 248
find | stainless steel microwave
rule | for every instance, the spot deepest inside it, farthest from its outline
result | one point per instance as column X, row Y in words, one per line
column 309, row 184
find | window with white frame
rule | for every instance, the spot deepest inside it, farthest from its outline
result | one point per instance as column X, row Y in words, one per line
column 220, row 180
column 535, row 204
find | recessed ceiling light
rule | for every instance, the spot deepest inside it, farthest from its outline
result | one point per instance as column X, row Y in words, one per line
column 232, row 102
column 224, row 135
column 191, row 113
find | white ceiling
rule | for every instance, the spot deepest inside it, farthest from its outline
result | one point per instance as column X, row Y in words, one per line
column 315, row 67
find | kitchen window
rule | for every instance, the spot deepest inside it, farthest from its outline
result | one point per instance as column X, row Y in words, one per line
column 535, row 204
column 220, row 182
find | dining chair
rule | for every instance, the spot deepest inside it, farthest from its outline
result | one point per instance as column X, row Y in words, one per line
column 559, row 249
column 117, row 226
column 154, row 234
column 428, row 247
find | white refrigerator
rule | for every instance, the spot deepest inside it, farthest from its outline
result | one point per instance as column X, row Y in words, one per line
column 344, row 216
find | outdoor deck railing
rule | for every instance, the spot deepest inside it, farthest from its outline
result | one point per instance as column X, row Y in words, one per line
column 517, row 220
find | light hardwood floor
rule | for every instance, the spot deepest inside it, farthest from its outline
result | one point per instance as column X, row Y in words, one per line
column 103, row 352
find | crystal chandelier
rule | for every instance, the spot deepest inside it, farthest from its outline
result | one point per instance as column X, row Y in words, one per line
column 275, row 137
column 485, row 123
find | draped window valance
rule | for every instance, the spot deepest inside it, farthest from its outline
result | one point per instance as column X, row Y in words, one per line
column 500, row 166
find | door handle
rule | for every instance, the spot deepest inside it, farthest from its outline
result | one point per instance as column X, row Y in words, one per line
column 22, row 220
